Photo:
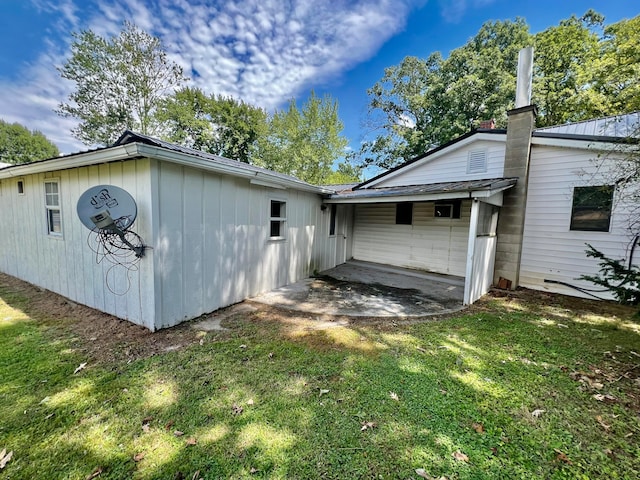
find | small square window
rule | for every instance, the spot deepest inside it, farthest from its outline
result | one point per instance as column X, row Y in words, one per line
column 278, row 219
column 404, row 213
column 591, row 209
column 447, row 209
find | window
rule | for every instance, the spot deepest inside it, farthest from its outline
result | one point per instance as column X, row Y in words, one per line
column 332, row 220
column 404, row 213
column 20, row 184
column 477, row 161
column 278, row 219
column 52, row 206
column 591, row 211
column 447, row 209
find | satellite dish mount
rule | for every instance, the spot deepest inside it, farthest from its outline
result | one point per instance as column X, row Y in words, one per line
column 109, row 210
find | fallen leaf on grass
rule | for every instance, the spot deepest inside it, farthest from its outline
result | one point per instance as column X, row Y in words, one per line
column 5, row 457
column 562, row 457
column 80, row 367
column 605, row 398
column 394, row 396
column 94, row 474
column 478, row 427
column 138, row 456
column 250, row 401
column 237, row 409
column 602, row 424
column 253, row 470
column 537, row 412
column 191, row 441
column 458, row 455
column 422, row 473
column 366, row 425
column 323, row 391
column 169, row 425
column 178, row 433
column 145, row 427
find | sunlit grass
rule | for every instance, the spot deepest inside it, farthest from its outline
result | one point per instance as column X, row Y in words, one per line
column 270, row 399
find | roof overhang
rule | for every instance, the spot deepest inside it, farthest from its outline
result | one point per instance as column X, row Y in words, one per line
column 131, row 151
column 480, row 189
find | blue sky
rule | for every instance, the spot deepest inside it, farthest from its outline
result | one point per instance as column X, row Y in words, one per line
column 262, row 51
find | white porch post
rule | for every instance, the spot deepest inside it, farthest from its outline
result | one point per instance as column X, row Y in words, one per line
column 471, row 246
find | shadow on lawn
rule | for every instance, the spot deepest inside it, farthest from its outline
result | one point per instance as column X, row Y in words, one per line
column 276, row 398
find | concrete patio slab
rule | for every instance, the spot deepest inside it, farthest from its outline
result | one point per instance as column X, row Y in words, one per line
column 363, row 289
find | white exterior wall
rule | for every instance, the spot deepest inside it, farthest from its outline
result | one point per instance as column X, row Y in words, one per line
column 212, row 246
column 450, row 166
column 432, row 244
column 550, row 249
column 65, row 264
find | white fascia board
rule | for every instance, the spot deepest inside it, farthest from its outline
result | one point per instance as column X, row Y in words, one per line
column 201, row 163
column 574, row 143
column 493, row 137
column 113, row 154
column 402, row 198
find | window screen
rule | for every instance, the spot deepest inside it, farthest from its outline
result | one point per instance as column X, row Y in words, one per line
column 591, row 210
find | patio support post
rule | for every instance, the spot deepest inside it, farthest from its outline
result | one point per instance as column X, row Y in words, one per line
column 471, row 246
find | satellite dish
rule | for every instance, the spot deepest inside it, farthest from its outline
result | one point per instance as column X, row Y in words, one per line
column 107, row 207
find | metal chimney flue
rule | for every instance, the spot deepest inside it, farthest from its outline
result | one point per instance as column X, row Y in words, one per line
column 525, row 77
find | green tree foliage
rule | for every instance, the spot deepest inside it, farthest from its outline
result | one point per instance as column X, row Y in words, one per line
column 119, row 83
column 213, row 123
column 623, row 281
column 615, row 73
column 304, row 142
column 346, row 173
column 18, row 144
column 579, row 73
column 419, row 104
column 563, row 60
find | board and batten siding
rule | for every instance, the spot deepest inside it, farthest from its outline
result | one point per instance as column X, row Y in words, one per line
column 434, row 244
column 451, row 167
column 550, row 249
column 65, row 264
column 212, row 246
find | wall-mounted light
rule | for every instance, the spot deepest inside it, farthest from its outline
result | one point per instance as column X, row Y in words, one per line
column 323, row 207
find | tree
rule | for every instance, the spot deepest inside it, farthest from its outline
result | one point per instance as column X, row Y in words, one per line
column 346, row 173
column 213, row 123
column 578, row 74
column 564, row 58
column 119, row 83
column 18, row 144
column 420, row 104
column 615, row 77
column 304, row 142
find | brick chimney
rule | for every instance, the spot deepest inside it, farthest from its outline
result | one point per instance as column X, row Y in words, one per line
column 520, row 125
column 487, row 124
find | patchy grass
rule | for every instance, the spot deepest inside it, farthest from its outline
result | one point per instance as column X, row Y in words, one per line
column 520, row 386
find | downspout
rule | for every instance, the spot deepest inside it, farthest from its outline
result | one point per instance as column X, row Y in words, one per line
column 471, row 247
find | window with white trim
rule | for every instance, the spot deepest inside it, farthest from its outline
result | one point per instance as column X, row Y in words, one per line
column 277, row 220
column 52, row 207
column 477, row 161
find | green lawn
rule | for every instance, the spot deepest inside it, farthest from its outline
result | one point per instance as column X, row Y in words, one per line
column 517, row 387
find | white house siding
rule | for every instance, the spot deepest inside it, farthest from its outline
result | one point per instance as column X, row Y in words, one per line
column 212, row 246
column 432, row 244
column 65, row 264
column 451, row 166
column 550, row 250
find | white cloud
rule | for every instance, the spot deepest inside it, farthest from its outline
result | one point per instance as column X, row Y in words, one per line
column 454, row 10
column 261, row 51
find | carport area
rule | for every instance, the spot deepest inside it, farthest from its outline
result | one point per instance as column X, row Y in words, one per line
column 364, row 289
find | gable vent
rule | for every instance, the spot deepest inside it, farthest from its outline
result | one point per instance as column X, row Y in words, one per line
column 477, row 161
